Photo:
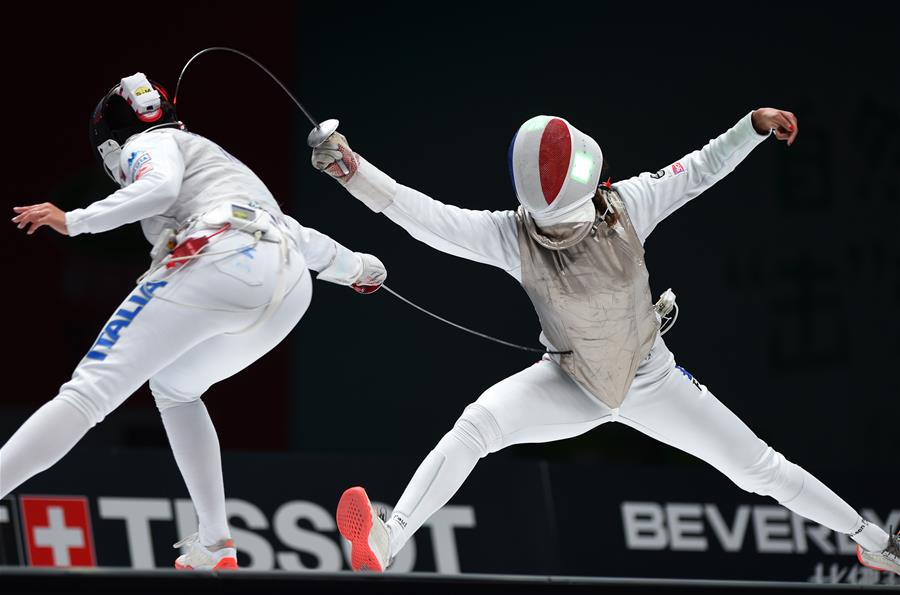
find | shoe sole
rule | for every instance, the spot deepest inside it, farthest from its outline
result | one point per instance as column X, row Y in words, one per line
column 354, row 520
column 226, row 564
column 866, row 564
column 223, row 564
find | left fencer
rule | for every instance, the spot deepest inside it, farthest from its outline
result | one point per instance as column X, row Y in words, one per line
column 235, row 284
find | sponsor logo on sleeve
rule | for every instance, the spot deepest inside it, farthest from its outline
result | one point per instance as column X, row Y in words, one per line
column 139, row 163
column 677, row 168
column 660, row 174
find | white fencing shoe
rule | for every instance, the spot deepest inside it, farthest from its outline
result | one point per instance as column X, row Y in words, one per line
column 220, row 556
column 365, row 530
column 888, row 559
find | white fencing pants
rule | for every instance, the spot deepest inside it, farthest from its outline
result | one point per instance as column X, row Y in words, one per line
column 543, row 404
column 181, row 331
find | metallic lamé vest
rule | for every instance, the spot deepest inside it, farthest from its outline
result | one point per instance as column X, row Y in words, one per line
column 592, row 296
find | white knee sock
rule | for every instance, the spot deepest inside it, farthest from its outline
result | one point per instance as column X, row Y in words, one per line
column 436, row 480
column 870, row 537
column 196, row 448
column 820, row 504
column 43, row 439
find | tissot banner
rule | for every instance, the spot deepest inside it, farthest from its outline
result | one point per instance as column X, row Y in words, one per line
column 126, row 508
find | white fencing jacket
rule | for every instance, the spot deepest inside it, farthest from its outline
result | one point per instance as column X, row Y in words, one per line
column 593, row 298
column 171, row 175
column 490, row 237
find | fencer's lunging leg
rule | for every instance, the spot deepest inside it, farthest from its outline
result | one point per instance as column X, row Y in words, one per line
column 42, row 440
column 539, row 404
column 99, row 385
column 801, row 492
column 148, row 332
column 678, row 410
column 443, row 472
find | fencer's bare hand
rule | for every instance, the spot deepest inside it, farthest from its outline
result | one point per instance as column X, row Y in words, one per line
column 782, row 123
column 325, row 158
column 36, row 216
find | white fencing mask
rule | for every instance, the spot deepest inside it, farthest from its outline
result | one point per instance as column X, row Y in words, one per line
column 555, row 170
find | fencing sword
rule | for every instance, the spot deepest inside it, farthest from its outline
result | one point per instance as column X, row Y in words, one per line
column 321, row 130
column 318, row 135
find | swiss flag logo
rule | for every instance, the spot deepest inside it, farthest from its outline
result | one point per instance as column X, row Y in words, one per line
column 57, row 531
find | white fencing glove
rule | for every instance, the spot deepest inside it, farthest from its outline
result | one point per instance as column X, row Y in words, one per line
column 363, row 272
column 326, row 156
column 372, row 276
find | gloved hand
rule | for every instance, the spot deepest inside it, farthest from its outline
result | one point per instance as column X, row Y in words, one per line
column 363, row 272
column 325, row 158
column 372, row 275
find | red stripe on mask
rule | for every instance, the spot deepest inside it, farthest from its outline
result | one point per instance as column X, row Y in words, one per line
column 553, row 159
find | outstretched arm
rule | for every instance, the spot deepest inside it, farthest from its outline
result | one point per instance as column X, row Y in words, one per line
column 153, row 168
column 651, row 197
column 488, row 237
column 335, row 263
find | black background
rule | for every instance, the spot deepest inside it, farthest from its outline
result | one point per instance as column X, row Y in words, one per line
column 787, row 272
